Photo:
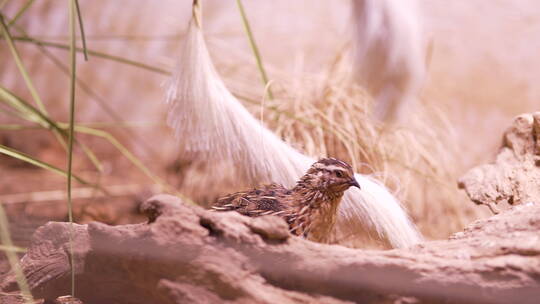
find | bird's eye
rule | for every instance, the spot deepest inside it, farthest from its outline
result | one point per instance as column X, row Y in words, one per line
column 339, row 174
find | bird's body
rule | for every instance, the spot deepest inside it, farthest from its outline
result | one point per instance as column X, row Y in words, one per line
column 309, row 208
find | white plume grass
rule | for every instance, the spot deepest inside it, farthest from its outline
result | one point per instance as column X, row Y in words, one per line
column 389, row 53
column 211, row 123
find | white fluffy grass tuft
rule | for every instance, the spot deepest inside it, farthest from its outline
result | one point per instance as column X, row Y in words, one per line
column 389, row 53
column 210, row 122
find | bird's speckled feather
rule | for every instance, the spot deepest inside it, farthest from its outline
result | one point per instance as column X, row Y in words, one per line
column 309, row 208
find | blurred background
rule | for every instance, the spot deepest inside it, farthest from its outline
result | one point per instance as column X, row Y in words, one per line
column 481, row 70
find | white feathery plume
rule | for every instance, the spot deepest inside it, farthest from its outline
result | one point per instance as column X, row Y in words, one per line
column 210, row 122
column 389, row 52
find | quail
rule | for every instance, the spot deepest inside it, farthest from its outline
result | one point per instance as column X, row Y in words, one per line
column 309, row 208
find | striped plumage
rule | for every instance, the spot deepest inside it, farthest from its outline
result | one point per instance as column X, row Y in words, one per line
column 310, row 207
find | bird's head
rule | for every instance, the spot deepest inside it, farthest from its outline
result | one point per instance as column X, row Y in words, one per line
column 330, row 174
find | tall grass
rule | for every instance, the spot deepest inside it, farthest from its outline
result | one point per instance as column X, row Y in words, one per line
column 11, row 254
column 21, row 109
column 73, row 9
column 254, row 48
column 413, row 160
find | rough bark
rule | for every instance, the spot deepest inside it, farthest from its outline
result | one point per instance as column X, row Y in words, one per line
column 189, row 255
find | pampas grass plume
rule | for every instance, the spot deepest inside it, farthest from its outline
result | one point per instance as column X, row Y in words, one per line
column 210, row 122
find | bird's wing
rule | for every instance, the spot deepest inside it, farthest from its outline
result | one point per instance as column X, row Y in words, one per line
column 266, row 200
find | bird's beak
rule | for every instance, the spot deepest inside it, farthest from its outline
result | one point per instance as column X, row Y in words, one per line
column 354, row 183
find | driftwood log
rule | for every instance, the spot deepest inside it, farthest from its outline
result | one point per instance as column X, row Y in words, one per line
column 185, row 254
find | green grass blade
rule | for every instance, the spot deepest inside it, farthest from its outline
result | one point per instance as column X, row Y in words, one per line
column 36, row 162
column 20, row 65
column 14, row 127
column 26, row 110
column 94, row 95
column 30, row 113
column 246, row 99
column 132, row 63
column 85, row 129
column 24, row 73
column 12, row 257
column 72, row 84
column 95, row 53
column 130, row 156
column 126, row 124
column 98, row 133
column 117, row 37
column 254, row 47
column 20, row 12
column 81, row 27
column 10, row 112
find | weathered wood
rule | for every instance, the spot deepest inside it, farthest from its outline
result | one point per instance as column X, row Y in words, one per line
column 187, row 254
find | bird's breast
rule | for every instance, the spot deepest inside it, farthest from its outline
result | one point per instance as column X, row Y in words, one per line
column 316, row 223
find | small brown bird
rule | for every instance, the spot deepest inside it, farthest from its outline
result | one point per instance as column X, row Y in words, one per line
column 310, row 208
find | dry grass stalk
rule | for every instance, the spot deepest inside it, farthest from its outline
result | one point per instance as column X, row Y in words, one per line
column 418, row 161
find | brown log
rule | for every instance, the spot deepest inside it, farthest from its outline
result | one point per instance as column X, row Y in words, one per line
column 187, row 254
